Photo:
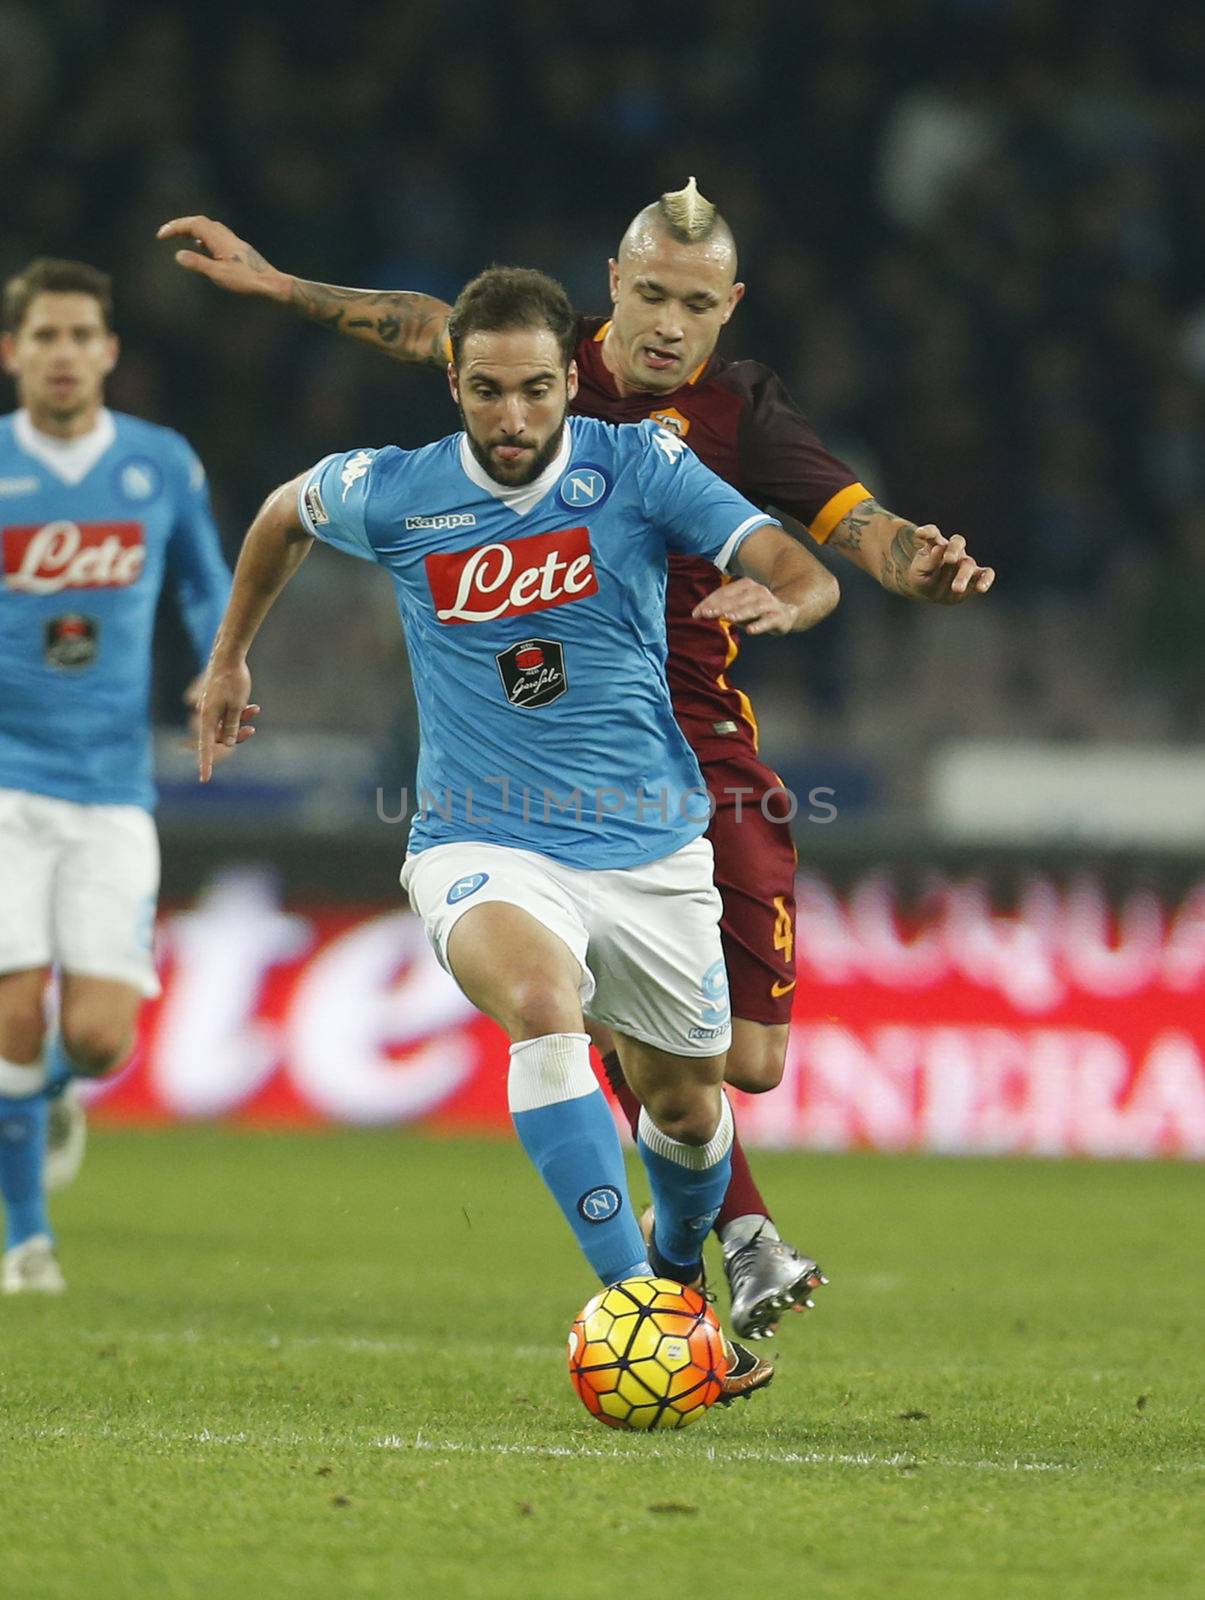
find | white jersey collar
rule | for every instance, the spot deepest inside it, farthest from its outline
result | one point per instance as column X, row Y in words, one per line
column 69, row 459
column 525, row 498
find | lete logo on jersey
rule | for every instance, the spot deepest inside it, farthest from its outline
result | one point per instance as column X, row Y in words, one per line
column 509, row 580
column 73, row 555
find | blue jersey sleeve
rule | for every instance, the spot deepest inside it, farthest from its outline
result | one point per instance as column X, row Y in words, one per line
column 696, row 511
column 194, row 551
column 332, row 500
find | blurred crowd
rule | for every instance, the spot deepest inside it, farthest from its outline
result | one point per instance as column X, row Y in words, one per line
column 973, row 233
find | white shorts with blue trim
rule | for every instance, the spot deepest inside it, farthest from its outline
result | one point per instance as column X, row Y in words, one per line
column 646, row 938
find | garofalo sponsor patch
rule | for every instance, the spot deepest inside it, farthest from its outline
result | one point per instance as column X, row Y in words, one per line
column 71, row 641
column 533, row 672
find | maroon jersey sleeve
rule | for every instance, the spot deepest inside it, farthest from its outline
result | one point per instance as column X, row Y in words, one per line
column 783, row 462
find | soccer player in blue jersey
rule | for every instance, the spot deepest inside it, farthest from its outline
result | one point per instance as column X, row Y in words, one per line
column 95, row 509
column 558, row 861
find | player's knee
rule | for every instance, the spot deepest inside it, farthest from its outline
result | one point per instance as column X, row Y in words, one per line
column 690, row 1117
column 756, row 1058
column 537, row 1004
column 96, row 1045
column 755, row 1072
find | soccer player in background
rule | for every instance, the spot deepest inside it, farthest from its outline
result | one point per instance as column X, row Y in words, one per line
column 95, row 509
column 673, row 287
column 562, row 867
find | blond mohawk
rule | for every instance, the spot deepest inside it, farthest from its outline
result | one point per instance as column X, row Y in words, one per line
column 687, row 214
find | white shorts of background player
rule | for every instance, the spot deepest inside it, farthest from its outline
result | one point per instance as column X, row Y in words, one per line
column 78, row 886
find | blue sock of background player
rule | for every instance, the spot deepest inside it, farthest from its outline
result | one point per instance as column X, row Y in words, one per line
column 59, row 1068
column 23, row 1114
column 565, row 1125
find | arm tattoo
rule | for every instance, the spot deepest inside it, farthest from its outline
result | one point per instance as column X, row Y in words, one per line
column 407, row 325
column 899, row 558
column 896, row 559
column 848, row 533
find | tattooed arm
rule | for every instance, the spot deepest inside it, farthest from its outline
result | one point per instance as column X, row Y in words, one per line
column 409, row 327
column 920, row 563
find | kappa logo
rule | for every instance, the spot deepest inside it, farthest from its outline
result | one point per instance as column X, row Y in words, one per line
column 19, row 485
column 670, row 446
column 443, row 522
column 583, row 486
column 355, row 468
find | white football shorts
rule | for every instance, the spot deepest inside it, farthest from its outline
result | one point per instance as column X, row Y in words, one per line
column 78, row 886
column 646, row 938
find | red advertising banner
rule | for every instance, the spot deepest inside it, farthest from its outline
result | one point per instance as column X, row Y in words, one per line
column 1064, row 1025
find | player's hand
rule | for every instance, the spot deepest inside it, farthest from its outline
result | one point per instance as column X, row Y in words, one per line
column 224, row 716
column 941, row 569
column 750, row 605
column 224, row 258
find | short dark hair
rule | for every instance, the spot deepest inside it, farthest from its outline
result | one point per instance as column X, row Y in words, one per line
column 48, row 275
column 504, row 298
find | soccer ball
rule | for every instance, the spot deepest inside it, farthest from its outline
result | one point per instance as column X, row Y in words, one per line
column 647, row 1353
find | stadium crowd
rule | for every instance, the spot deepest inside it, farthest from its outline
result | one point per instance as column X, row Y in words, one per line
column 973, row 233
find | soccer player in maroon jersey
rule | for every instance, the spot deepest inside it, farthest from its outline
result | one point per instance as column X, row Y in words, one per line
column 673, row 287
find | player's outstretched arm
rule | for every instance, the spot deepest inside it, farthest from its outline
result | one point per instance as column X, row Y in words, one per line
column 920, row 563
column 275, row 546
column 408, row 326
column 782, row 588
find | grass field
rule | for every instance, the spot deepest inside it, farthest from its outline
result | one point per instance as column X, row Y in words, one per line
column 333, row 1365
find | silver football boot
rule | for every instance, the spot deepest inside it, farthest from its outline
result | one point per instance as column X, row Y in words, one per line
column 767, row 1276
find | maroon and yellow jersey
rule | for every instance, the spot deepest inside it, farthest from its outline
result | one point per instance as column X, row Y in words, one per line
column 740, row 421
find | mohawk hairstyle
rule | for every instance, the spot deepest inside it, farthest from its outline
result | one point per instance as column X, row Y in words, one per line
column 688, row 216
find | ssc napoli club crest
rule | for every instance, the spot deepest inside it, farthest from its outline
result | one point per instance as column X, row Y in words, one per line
column 139, row 479
column 533, row 673
column 463, row 887
column 600, row 1205
column 583, row 488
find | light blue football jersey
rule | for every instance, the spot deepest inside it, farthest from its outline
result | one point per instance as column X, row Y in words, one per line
column 535, row 622
column 85, row 544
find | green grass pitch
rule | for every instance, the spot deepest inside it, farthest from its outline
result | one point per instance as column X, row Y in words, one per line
column 333, row 1365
